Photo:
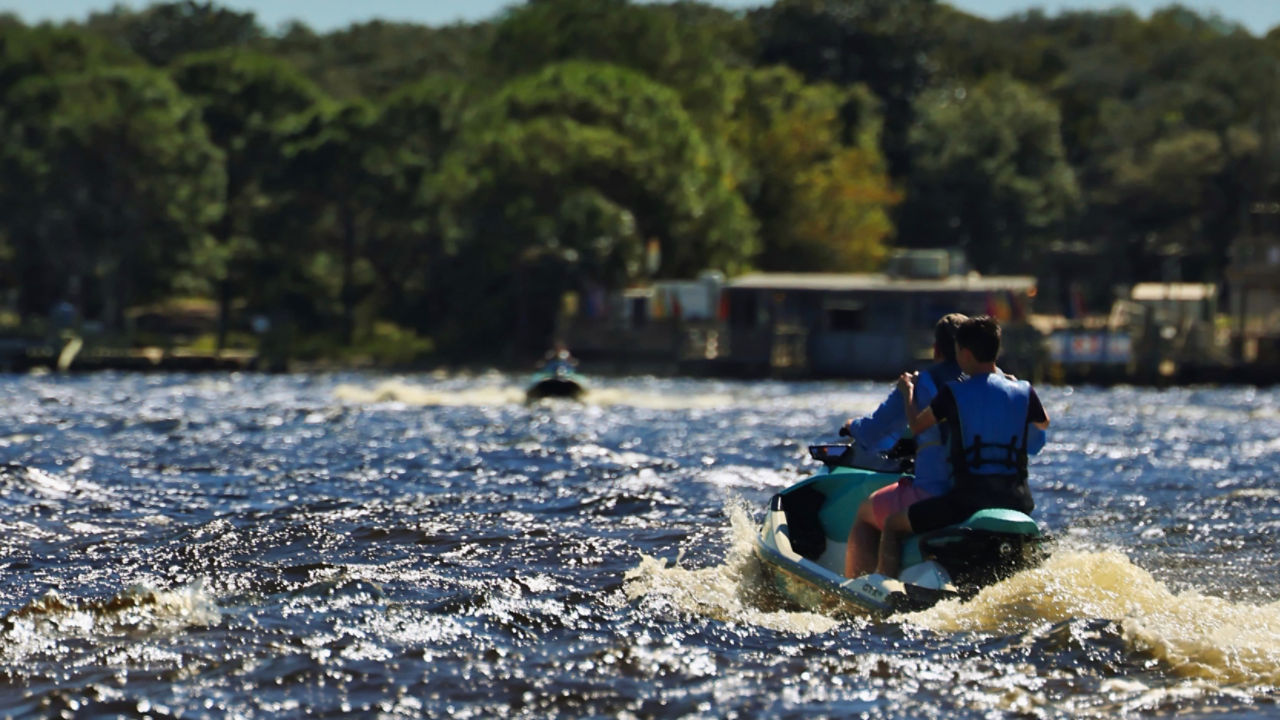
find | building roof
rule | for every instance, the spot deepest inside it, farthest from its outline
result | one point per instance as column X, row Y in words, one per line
column 1173, row 291
column 841, row 282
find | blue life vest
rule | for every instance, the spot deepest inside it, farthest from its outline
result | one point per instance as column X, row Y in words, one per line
column 932, row 474
column 989, row 448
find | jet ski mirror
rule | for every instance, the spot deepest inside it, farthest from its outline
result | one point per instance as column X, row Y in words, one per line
column 833, row 454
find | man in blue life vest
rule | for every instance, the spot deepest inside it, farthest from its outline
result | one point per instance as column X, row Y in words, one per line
column 880, row 429
column 990, row 419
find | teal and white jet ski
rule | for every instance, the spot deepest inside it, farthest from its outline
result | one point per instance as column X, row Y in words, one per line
column 801, row 545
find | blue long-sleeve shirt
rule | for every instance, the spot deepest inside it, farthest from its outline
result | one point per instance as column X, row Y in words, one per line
column 881, row 429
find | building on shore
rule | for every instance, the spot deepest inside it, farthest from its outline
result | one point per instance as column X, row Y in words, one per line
column 867, row 325
column 1253, row 282
column 1156, row 332
column 667, row 326
column 853, row 325
column 875, row 325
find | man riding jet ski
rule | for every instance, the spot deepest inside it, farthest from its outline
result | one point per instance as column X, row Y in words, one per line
column 987, row 538
column 987, row 419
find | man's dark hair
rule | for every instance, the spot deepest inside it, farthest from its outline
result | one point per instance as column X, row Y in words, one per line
column 944, row 334
column 981, row 335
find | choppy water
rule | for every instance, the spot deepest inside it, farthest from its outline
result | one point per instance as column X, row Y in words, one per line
column 428, row 546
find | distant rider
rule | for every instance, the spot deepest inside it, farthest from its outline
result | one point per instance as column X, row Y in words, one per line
column 559, row 362
column 992, row 420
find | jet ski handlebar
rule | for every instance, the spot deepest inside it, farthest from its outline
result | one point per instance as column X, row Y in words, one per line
column 898, row 459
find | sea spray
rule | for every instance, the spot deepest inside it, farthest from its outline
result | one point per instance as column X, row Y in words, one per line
column 1194, row 634
column 727, row 591
column 44, row 624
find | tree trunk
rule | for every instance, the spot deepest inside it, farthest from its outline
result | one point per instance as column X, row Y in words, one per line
column 348, row 273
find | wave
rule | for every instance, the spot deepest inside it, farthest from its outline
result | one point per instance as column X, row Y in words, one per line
column 730, row 591
column 503, row 392
column 407, row 393
column 1195, row 635
column 495, row 390
column 22, row 484
column 44, row 623
column 655, row 400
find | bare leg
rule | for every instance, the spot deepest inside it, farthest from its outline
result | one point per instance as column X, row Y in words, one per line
column 863, row 544
column 896, row 527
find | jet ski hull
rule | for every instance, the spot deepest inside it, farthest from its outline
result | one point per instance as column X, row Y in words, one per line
column 801, row 546
column 555, row 387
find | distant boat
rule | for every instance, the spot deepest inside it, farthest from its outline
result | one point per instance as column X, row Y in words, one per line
column 801, row 545
column 557, row 379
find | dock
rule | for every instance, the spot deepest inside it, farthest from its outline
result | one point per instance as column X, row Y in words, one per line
column 21, row 356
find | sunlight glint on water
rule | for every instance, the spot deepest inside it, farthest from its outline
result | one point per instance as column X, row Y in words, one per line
column 430, row 545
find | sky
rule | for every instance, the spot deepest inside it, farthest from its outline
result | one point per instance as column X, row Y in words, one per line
column 1258, row 16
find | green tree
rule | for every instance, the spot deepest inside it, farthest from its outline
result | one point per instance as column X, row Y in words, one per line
column 1136, row 94
column 991, row 176
column 1162, row 194
column 165, row 31
column 1126, row 87
column 111, row 187
column 45, row 51
column 818, row 187
column 884, row 44
column 372, row 60
column 250, row 104
column 687, row 46
column 416, row 127
column 584, row 161
column 28, row 54
column 352, row 184
column 331, row 174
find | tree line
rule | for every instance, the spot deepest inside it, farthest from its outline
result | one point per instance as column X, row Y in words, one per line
column 440, row 188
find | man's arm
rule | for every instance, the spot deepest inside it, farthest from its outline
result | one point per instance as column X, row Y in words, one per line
column 880, row 428
column 1042, row 424
column 918, row 421
column 1037, row 414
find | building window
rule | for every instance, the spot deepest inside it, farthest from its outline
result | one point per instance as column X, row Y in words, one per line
column 846, row 319
column 744, row 311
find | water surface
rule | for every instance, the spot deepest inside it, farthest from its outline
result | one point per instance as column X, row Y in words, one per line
column 429, row 545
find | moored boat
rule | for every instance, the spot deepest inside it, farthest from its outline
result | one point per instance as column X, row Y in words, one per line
column 801, row 544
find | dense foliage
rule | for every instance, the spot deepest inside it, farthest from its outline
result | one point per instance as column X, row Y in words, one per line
column 456, row 181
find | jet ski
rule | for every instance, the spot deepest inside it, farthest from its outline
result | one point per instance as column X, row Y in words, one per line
column 801, row 544
column 556, row 380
